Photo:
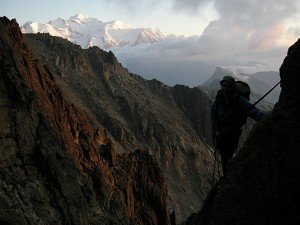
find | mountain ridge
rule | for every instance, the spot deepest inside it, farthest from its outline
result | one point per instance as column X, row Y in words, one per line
column 52, row 170
column 262, row 185
column 87, row 31
column 133, row 46
column 135, row 113
column 87, row 142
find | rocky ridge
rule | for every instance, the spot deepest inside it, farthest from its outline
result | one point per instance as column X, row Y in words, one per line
column 262, row 185
column 85, row 142
column 91, row 103
column 138, row 114
column 51, row 169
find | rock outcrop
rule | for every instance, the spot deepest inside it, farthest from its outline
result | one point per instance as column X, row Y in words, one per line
column 71, row 122
column 262, row 185
column 50, row 166
column 170, row 123
column 84, row 141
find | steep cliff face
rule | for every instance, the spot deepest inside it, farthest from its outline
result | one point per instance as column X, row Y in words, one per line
column 196, row 105
column 75, row 117
column 262, row 185
column 138, row 114
column 139, row 183
column 51, row 168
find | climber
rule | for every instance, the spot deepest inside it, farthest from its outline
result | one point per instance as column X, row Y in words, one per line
column 229, row 113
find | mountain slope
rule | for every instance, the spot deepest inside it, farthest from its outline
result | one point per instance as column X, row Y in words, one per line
column 52, row 168
column 87, row 31
column 262, row 184
column 72, row 119
column 138, row 114
column 90, row 93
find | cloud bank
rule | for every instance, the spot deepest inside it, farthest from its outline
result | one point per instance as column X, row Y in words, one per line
column 249, row 36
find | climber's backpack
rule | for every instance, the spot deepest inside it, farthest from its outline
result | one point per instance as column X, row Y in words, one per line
column 243, row 89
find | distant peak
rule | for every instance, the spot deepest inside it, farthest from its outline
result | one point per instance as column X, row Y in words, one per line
column 120, row 24
column 79, row 16
column 88, row 31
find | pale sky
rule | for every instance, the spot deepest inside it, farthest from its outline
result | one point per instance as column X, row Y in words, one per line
column 248, row 35
column 171, row 16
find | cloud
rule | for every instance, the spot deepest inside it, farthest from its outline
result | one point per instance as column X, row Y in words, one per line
column 189, row 6
column 252, row 22
column 171, row 61
column 134, row 6
column 249, row 36
column 256, row 10
column 186, row 6
column 191, row 61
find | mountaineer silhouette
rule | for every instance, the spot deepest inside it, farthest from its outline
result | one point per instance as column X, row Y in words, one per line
column 229, row 113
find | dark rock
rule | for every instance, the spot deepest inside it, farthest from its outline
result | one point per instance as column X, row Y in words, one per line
column 50, row 167
column 262, row 185
column 137, row 114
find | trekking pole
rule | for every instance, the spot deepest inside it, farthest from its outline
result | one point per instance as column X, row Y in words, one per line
column 218, row 164
column 213, row 178
column 215, row 162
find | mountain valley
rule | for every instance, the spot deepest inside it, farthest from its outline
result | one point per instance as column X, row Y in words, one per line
column 84, row 141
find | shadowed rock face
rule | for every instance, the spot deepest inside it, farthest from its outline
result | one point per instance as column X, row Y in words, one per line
column 262, row 185
column 71, row 120
column 170, row 123
column 50, row 167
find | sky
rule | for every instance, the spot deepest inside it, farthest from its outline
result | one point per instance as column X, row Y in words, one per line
column 244, row 35
column 171, row 16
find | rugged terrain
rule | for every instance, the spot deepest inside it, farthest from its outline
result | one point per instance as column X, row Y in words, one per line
column 63, row 108
column 262, row 185
column 57, row 165
column 138, row 114
column 83, row 141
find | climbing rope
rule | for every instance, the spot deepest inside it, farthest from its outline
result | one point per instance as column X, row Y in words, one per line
column 216, row 160
column 264, row 95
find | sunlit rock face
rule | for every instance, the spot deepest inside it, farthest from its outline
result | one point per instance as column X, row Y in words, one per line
column 170, row 123
column 84, row 141
column 262, row 185
column 51, row 168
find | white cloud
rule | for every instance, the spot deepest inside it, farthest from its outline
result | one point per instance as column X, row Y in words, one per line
column 252, row 35
column 191, row 61
column 249, row 36
column 169, row 61
column 190, row 6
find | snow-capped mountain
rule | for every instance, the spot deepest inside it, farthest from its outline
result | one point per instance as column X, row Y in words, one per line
column 87, row 31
